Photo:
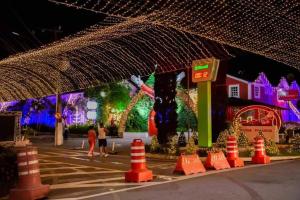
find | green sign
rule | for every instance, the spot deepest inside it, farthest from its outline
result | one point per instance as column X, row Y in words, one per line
column 199, row 67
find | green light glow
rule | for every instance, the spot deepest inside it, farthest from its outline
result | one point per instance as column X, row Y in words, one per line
column 199, row 67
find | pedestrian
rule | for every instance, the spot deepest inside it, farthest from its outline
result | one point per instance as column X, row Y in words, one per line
column 102, row 140
column 92, row 140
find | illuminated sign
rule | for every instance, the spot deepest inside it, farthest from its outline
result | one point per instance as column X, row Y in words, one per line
column 91, row 115
column 199, row 67
column 91, row 105
column 205, row 70
column 288, row 95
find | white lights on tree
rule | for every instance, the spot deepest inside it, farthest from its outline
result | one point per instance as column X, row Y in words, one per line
column 91, row 115
column 91, row 105
column 103, row 94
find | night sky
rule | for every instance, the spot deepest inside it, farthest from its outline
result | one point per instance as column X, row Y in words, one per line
column 29, row 24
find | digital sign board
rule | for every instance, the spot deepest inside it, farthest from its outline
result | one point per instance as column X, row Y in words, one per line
column 205, row 70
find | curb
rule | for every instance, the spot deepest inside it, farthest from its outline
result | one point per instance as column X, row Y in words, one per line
column 166, row 157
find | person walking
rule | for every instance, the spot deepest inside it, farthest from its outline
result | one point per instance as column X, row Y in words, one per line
column 92, row 140
column 102, row 140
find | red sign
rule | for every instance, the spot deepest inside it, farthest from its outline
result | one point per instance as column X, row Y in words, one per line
column 288, row 95
column 203, row 74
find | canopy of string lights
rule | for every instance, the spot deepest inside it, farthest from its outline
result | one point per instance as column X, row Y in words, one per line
column 137, row 35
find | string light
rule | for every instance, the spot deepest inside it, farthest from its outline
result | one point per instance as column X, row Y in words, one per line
column 109, row 51
column 136, row 35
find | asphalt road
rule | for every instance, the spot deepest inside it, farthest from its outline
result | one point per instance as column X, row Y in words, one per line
column 72, row 175
column 279, row 181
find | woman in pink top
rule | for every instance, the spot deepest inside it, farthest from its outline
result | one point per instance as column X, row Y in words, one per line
column 92, row 140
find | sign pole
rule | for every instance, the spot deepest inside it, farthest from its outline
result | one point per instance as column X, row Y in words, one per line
column 204, row 114
column 204, row 71
column 58, row 140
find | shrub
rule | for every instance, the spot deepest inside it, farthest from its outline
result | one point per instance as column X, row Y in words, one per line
column 79, row 129
column 154, row 146
column 296, row 145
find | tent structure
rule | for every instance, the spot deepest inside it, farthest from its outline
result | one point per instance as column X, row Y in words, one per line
column 135, row 36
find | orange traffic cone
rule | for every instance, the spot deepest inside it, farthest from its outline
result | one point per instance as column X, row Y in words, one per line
column 139, row 171
column 260, row 156
column 29, row 186
column 232, row 153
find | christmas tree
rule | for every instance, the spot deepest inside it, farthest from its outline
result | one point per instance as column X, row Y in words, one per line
column 191, row 148
column 272, row 149
column 154, row 146
column 173, row 145
column 222, row 138
column 260, row 133
column 243, row 140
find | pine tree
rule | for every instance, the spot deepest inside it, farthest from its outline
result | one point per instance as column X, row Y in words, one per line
column 231, row 131
column 154, row 146
column 243, row 140
column 222, row 138
column 191, row 148
column 173, row 145
column 260, row 133
column 272, row 148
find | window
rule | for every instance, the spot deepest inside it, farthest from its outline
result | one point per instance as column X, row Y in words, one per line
column 234, row 91
column 257, row 92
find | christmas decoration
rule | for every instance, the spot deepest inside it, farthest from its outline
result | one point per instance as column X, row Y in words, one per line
column 268, row 28
column 272, row 149
column 191, row 148
column 222, row 138
column 154, row 146
column 172, row 148
column 243, row 140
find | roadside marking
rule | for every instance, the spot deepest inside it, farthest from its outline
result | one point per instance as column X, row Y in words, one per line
column 80, row 173
column 62, row 167
column 87, row 182
column 180, row 178
column 87, row 166
column 118, row 163
column 64, row 186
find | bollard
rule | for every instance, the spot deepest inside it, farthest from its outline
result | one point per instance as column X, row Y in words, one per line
column 29, row 185
column 260, row 156
column 82, row 144
column 139, row 171
column 233, row 153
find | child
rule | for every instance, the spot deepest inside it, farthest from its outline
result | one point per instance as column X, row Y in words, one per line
column 102, row 140
column 92, row 140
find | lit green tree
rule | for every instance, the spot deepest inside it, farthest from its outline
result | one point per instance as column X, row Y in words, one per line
column 222, row 138
column 243, row 140
column 173, row 145
column 191, row 148
column 154, row 146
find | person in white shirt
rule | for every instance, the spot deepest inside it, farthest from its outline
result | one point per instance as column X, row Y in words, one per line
column 102, row 140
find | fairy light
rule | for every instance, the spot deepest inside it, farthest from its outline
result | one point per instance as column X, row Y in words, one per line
column 130, row 40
